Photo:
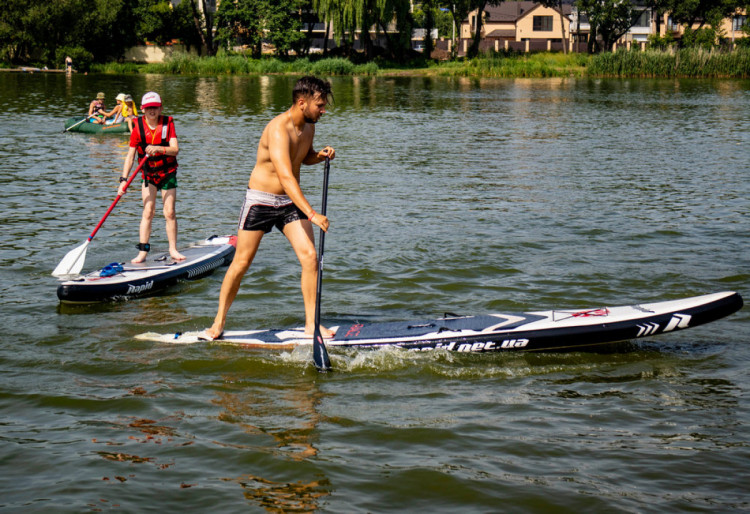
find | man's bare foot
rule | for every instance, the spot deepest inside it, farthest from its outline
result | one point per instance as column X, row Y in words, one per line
column 176, row 256
column 140, row 257
column 215, row 332
column 325, row 332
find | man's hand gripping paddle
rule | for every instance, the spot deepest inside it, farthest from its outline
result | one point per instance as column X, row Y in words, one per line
column 320, row 354
column 72, row 263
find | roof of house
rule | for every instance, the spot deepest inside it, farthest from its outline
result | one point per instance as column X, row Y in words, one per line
column 499, row 33
column 509, row 12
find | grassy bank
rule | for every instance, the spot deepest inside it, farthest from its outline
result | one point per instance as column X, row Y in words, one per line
column 185, row 64
column 510, row 64
column 651, row 63
column 688, row 62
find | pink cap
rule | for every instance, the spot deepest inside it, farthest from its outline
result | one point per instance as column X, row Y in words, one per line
column 151, row 99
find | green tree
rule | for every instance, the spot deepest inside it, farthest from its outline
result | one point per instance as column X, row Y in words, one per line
column 700, row 18
column 17, row 30
column 240, row 22
column 283, row 23
column 444, row 23
column 425, row 17
column 203, row 14
column 609, row 19
column 459, row 10
column 36, row 30
column 250, row 22
column 700, row 12
column 359, row 17
column 155, row 21
column 161, row 21
column 184, row 26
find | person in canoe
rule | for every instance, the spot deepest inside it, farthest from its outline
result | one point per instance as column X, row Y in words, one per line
column 129, row 112
column 115, row 115
column 274, row 198
column 97, row 110
column 124, row 111
column 154, row 135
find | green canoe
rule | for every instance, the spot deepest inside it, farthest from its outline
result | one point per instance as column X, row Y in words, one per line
column 94, row 128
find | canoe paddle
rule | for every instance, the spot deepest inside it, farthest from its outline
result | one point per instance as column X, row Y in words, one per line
column 72, row 263
column 320, row 354
column 78, row 123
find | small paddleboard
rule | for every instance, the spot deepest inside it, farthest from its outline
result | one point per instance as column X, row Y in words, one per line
column 125, row 280
column 553, row 330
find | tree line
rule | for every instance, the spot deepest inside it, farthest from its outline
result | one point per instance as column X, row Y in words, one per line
column 45, row 32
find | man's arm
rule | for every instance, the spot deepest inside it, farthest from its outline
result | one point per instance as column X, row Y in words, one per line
column 279, row 152
column 278, row 149
column 315, row 157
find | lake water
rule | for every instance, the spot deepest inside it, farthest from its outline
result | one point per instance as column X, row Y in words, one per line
column 458, row 195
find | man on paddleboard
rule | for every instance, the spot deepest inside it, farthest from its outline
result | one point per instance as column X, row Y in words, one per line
column 154, row 135
column 274, row 198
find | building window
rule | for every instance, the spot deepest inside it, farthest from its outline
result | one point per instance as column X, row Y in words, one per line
column 739, row 22
column 542, row 23
column 644, row 20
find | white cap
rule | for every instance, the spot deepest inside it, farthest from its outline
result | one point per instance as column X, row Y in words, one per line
column 119, row 97
column 151, row 99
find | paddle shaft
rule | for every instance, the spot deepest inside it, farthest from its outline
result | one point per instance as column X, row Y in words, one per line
column 320, row 354
column 117, row 198
column 321, row 245
column 78, row 123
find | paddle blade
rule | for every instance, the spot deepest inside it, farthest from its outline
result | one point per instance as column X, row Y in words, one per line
column 72, row 263
column 320, row 354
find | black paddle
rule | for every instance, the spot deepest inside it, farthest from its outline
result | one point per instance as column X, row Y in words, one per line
column 320, row 354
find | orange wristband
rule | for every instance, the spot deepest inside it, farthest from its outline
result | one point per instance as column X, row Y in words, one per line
column 311, row 216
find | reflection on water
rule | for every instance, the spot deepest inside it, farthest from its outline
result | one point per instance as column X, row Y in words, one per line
column 288, row 417
column 284, row 497
column 291, row 413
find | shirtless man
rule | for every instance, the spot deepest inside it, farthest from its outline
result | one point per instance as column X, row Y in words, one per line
column 274, row 198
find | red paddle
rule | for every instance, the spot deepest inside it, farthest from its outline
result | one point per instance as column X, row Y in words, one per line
column 72, row 263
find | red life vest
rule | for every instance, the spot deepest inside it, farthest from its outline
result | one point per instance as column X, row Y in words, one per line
column 158, row 166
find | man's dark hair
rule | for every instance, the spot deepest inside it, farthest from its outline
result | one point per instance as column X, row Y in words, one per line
column 310, row 86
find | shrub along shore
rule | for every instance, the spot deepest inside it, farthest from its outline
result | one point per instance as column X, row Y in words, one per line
column 690, row 62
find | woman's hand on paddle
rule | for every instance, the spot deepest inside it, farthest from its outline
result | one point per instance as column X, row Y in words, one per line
column 321, row 221
column 122, row 189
